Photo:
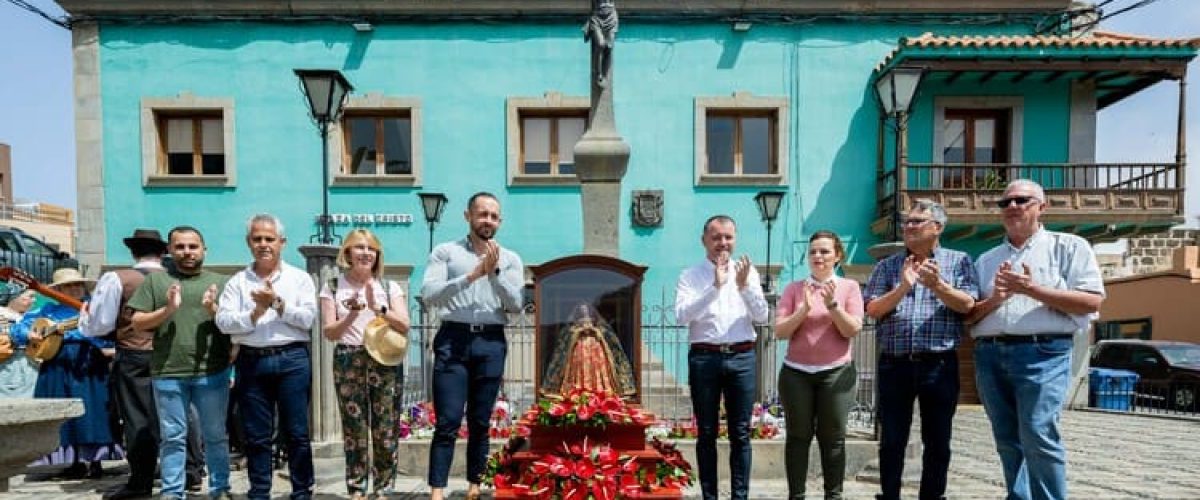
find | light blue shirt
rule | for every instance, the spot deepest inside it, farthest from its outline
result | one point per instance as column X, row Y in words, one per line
column 484, row 301
column 1056, row 260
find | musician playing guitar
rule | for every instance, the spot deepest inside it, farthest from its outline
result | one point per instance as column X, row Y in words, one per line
column 79, row 369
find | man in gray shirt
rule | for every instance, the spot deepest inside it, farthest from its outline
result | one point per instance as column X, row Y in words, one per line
column 473, row 282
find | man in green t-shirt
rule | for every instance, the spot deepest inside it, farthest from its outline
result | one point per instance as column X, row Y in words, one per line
column 190, row 364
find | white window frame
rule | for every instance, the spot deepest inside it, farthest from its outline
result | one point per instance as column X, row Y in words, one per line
column 151, row 107
column 548, row 103
column 376, row 102
column 741, row 101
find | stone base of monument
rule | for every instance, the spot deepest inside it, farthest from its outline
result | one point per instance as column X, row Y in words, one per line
column 29, row 430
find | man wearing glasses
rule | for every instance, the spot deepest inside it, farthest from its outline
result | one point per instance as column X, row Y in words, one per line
column 919, row 299
column 1040, row 287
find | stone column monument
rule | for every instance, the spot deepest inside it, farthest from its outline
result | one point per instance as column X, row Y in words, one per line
column 601, row 155
column 324, row 425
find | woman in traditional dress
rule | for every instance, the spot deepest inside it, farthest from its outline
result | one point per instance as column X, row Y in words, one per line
column 18, row 373
column 587, row 354
column 78, row 370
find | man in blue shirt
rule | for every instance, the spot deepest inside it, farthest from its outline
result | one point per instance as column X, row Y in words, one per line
column 918, row 299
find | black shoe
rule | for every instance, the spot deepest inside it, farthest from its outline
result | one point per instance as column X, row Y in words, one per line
column 194, row 484
column 125, row 492
column 77, row 470
column 95, row 470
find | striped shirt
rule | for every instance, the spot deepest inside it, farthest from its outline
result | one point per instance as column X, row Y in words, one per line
column 921, row 322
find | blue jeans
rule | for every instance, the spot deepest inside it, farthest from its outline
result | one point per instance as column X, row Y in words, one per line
column 733, row 375
column 467, row 370
column 1023, row 387
column 268, row 381
column 210, row 395
column 932, row 379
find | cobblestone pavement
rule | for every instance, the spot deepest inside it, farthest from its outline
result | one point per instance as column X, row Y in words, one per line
column 1111, row 456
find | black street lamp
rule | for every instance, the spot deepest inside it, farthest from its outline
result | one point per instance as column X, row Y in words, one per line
column 326, row 91
column 432, row 204
column 768, row 207
column 896, row 89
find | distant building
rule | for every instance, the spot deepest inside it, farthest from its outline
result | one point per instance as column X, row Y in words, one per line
column 50, row 223
column 1160, row 305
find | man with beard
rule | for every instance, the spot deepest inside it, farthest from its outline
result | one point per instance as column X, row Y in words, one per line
column 473, row 282
column 719, row 300
column 268, row 309
column 190, row 363
column 130, row 388
column 1040, row 287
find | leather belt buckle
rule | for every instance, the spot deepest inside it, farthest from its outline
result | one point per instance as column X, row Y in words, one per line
column 725, row 348
column 476, row 328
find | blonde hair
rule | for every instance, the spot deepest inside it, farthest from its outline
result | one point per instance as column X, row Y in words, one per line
column 372, row 242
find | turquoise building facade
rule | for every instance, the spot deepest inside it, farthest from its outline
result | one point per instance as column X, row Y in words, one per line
column 456, row 72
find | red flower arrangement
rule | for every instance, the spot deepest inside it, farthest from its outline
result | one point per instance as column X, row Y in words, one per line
column 582, row 407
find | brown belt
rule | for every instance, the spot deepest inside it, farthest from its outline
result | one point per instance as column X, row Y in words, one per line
column 736, row 347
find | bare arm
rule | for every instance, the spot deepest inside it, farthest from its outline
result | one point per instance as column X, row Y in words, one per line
column 334, row 328
column 847, row 324
column 144, row 321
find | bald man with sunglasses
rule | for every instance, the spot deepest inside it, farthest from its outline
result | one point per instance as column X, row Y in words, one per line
column 1041, row 287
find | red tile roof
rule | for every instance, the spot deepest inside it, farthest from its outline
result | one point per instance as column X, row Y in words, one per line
column 1095, row 39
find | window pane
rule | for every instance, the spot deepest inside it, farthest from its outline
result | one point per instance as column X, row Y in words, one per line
column 36, row 247
column 536, row 147
column 756, row 145
column 179, row 136
column 179, row 163
column 985, row 140
column 397, row 146
column 212, row 137
column 719, row 141
column 569, row 132
column 212, row 164
column 362, row 145
column 955, row 140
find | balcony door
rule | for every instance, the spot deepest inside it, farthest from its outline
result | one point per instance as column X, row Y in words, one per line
column 975, row 136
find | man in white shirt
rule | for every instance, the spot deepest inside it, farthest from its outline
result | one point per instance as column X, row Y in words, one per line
column 268, row 309
column 1041, row 288
column 719, row 300
column 130, row 387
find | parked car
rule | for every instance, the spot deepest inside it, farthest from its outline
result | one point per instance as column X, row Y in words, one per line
column 24, row 251
column 1169, row 372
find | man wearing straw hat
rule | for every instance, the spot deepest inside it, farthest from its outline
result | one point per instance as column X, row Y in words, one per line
column 268, row 309
column 73, row 366
column 130, row 383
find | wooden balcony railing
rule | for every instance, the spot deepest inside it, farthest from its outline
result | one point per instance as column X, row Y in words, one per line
column 1109, row 193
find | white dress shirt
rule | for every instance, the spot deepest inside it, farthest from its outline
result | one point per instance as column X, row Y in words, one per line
column 105, row 304
column 1056, row 260
column 722, row 315
column 293, row 286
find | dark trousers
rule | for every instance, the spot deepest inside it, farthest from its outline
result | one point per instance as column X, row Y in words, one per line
column 468, row 368
column 133, row 396
column 816, row 404
column 712, row 375
column 269, row 381
column 932, row 380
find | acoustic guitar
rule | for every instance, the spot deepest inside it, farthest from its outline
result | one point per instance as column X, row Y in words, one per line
column 51, row 333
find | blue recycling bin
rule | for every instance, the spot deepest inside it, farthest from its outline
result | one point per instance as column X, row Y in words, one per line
column 1110, row 389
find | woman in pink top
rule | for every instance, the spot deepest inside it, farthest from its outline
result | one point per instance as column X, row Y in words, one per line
column 366, row 389
column 818, row 316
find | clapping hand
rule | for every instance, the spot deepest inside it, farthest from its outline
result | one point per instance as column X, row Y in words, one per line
column 741, row 268
column 263, row 297
column 209, row 300
column 720, row 276
column 929, row 273
column 489, row 261
column 909, row 272
column 1012, row 281
column 174, row 296
column 827, row 290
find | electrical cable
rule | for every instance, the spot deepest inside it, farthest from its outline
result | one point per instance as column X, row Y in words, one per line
column 60, row 22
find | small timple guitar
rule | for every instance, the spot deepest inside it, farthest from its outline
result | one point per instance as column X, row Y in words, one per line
column 44, row 328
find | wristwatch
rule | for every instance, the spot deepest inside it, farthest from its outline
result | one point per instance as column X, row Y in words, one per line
column 277, row 305
column 832, row 305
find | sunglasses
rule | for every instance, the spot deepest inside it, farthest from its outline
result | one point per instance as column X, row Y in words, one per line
column 1020, row 201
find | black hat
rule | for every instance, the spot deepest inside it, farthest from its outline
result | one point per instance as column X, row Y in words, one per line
column 143, row 238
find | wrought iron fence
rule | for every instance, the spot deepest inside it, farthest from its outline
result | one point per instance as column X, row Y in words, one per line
column 664, row 389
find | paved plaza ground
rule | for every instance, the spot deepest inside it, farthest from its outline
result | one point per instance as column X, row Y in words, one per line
column 1111, row 456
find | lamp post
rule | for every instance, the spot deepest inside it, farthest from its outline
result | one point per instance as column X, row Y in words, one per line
column 432, row 204
column 326, row 91
column 896, row 89
column 768, row 207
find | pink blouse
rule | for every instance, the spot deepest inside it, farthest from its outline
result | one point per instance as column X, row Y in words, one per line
column 816, row 342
